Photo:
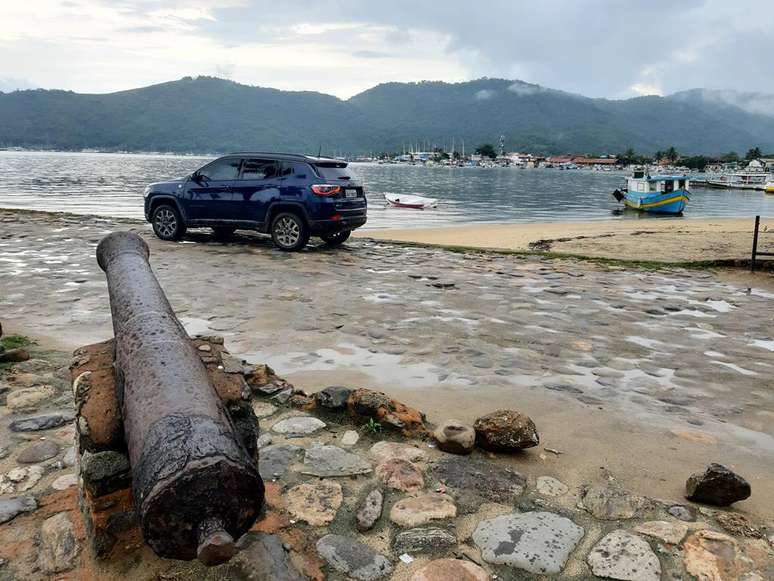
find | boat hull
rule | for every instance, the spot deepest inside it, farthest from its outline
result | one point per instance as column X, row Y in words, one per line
column 658, row 203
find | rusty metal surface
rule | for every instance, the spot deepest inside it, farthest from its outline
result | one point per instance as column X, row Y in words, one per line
column 189, row 468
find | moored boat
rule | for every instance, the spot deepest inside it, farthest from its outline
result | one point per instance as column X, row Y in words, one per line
column 413, row 202
column 769, row 189
column 661, row 194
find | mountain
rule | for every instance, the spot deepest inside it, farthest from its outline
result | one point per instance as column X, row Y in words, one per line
column 214, row 115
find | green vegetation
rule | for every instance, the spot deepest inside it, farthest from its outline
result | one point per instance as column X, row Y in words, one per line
column 754, row 153
column 214, row 116
column 372, row 427
column 487, row 150
column 15, row 342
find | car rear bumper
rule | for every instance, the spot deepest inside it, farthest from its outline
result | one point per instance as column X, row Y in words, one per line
column 346, row 222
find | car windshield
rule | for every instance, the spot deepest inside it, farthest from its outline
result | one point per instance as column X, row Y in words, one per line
column 333, row 172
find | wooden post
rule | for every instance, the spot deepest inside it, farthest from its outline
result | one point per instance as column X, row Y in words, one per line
column 755, row 243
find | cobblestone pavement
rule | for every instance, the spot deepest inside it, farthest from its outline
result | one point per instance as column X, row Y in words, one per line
column 651, row 374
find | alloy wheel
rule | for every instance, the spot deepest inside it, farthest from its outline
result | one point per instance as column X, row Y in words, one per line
column 166, row 222
column 287, row 231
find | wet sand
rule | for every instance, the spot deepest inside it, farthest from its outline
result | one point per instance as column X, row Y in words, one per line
column 644, row 374
column 655, row 239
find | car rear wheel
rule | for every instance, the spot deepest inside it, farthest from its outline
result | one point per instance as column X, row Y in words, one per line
column 167, row 223
column 337, row 238
column 223, row 232
column 289, row 232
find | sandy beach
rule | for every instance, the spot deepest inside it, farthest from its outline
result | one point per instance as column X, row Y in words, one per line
column 662, row 240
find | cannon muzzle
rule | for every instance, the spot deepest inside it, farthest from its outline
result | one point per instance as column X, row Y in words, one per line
column 195, row 488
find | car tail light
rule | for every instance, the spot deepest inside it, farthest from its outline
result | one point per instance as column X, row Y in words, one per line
column 326, row 190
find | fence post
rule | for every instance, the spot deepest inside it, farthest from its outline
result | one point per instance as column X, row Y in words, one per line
column 755, row 243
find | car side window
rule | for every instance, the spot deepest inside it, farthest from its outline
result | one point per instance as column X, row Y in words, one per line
column 259, row 169
column 298, row 170
column 221, row 169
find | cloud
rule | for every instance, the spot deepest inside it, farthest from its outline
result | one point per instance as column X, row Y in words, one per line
column 9, row 84
column 525, row 90
column 484, row 94
column 371, row 54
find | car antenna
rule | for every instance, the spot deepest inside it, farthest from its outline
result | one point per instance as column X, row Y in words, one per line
column 319, row 150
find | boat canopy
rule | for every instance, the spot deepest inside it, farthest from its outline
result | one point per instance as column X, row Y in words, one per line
column 666, row 178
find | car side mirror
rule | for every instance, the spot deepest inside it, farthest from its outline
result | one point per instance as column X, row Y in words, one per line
column 196, row 177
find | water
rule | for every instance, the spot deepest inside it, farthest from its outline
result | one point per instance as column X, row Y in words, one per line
column 112, row 185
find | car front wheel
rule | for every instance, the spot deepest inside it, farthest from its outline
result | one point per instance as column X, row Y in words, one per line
column 289, row 232
column 167, row 223
column 337, row 238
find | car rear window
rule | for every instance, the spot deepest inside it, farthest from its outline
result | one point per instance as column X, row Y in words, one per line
column 333, row 171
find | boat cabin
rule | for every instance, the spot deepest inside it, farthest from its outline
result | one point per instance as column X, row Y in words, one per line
column 641, row 183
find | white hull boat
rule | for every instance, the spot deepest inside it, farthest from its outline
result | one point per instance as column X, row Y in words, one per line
column 413, row 202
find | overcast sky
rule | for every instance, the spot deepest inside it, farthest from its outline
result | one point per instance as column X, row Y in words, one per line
column 599, row 48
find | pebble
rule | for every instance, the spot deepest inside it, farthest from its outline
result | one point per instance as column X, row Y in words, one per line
column 350, row 438
column 28, row 398
column 383, row 450
column 64, row 482
column 325, row 461
column 353, row 558
column 12, row 507
column 298, row 426
column 682, row 513
column 506, row 431
column 315, row 502
column 669, row 532
column 611, row 502
column 370, row 511
column 334, row 397
column 455, row 437
column 418, row 510
column 423, row 540
column 401, row 475
column 711, row 555
column 273, row 460
column 538, row 542
column 474, row 480
column 20, row 479
column 548, row 486
column 58, row 548
column 42, row 422
column 265, row 557
column 717, row 485
column 263, row 409
column 450, row 570
column 626, row 556
column 38, row 452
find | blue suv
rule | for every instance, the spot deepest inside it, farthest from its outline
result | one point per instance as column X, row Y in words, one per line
column 291, row 197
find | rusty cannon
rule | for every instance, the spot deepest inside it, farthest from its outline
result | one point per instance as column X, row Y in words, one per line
column 195, row 488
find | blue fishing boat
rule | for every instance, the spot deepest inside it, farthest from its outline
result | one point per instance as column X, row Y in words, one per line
column 662, row 194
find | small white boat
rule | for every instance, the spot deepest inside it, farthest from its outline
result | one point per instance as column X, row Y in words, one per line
column 410, row 201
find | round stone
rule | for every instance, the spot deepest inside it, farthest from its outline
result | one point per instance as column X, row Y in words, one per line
column 298, row 426
column 38, row 452
column 315, row 502
column 455, row 437
column 625, row 556
column 419, row 510
column 450, row 569
column 400, row 474
column 552, row 487
column 506, row 431
column 538, row 542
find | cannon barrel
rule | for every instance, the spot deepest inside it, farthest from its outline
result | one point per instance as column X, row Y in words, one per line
column 195, row 488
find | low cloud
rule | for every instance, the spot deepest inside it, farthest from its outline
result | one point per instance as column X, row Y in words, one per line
column 484, row 94
column 525, row 90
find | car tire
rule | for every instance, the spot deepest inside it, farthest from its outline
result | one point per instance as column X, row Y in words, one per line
column 167, row 222
column 336, row 238
column 289, row 232
column 223, row 232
